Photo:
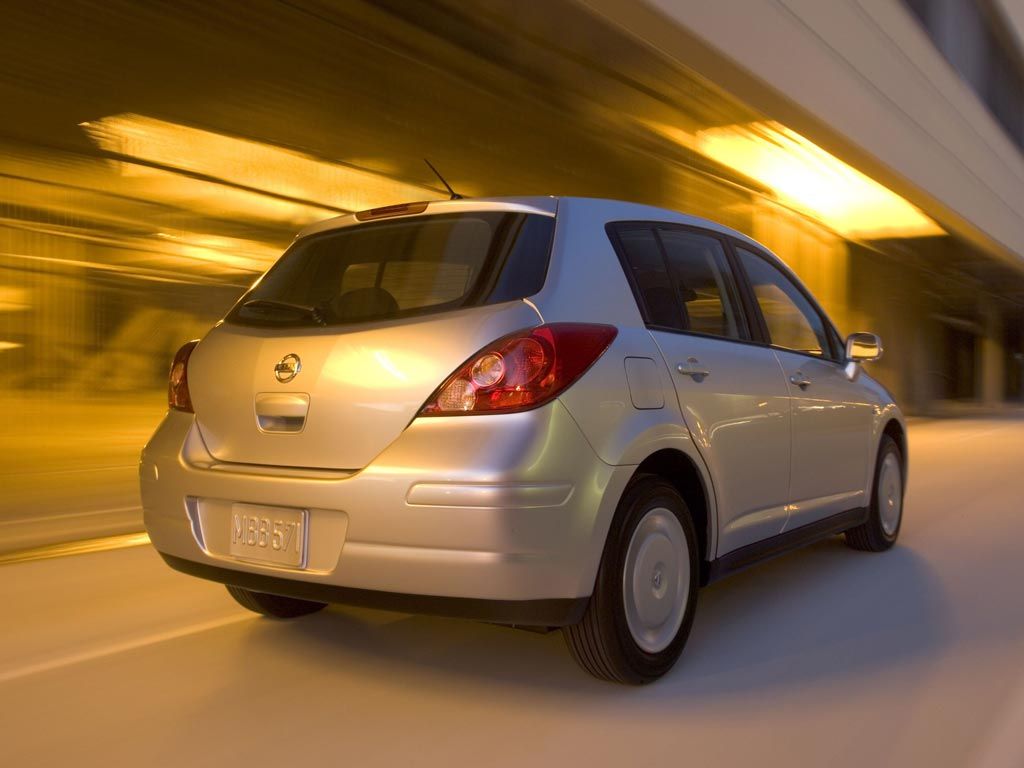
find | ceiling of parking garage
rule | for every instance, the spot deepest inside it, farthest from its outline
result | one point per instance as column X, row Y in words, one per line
column 192, row 139
column 521, row 103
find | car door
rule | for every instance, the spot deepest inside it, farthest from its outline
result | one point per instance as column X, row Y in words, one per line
column 731, row 391
column 831, row 418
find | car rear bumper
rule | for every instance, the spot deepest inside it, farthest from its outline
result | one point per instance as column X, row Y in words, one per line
column 551, row 612
column 501, row 518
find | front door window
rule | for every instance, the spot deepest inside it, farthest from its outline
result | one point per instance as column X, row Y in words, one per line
column 792, row 321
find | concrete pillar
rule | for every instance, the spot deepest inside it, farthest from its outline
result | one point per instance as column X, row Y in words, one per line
column 991, row 356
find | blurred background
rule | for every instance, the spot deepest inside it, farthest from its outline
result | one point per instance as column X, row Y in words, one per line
column 156, row 157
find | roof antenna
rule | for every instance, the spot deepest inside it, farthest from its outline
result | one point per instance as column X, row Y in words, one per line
column 454, row 195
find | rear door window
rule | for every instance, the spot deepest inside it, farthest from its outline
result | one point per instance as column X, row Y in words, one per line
column 648, row 272
column 682, row 279
column 401, row 268
column 703, row 280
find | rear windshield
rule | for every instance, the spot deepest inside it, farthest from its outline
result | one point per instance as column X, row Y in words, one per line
column 402, row 268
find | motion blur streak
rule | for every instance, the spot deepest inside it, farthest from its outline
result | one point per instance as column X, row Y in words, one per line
column 251, row 164
column 83, row 547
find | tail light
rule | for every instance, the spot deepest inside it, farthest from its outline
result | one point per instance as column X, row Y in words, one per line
column 178, row 396
column 521, row 371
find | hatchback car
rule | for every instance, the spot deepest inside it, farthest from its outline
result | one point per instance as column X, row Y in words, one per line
column 542, row 412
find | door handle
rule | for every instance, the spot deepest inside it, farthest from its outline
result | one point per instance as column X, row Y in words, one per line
column 693, row 369
column 800, row 380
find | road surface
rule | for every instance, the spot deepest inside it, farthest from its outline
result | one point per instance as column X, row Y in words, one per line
column 71, row 465
column 827, row 657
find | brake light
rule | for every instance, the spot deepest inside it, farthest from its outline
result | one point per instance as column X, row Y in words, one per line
column 403, row 209
column 523, row 370
column 178, row 396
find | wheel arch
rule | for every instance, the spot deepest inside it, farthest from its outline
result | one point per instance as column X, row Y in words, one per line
column 897, row 431
column 681, row 471
column 674, row 458
column 890, row 424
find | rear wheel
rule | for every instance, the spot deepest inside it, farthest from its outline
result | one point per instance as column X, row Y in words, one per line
column 276, row 606
column 886, row 512
column 640, row 614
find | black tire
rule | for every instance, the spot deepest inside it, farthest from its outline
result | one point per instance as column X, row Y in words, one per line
column 871, row 536
column 602, row 642
column 275, row 606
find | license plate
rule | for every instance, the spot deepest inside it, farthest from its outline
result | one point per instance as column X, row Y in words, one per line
column 275, row 535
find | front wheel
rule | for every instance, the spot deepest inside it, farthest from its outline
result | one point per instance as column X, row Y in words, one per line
column 275, row 606
column 886, row 512
column 645, row 596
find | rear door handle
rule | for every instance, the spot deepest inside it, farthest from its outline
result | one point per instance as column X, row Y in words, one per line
column 693, row 369
column 800, row 380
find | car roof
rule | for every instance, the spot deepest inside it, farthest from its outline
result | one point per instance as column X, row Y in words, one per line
column 606, row 209
column 546, row 206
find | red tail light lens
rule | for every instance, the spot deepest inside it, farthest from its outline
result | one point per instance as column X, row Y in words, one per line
column 521, row 371
column 178, row 396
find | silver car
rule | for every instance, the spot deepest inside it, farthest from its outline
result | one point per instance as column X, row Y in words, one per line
column 542, row 412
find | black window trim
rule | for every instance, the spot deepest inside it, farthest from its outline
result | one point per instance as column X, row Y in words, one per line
column 756, row 335
column 837, row 356
column 611, row 229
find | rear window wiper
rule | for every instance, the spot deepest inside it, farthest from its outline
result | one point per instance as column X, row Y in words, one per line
column 312, row 312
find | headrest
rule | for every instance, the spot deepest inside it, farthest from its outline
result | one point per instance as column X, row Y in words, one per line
column 364, row 303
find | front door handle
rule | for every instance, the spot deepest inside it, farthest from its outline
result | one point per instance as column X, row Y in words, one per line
column 800, row 380
column 693, row 369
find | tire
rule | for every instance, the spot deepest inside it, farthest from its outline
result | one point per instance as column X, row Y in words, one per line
column 275, row 606
column 634, row 629
column 885, row 515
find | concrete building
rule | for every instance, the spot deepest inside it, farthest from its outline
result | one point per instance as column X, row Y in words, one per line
column 927, row 98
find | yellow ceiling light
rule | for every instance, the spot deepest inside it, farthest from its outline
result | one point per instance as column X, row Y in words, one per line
column 83, row 188
column 674, row 134
column 252, row 164
column 211, row 199
column 14, row 299
column 807, row 178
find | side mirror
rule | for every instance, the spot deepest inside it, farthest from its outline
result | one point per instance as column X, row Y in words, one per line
column 860, row 348
column 863, row 347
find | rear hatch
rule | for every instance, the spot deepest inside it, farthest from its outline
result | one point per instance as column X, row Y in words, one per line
column 333, row 352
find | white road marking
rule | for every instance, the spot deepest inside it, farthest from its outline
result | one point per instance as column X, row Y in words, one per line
column 77, row 470
column 129, row 645
column 980, row 433
column 70, row 515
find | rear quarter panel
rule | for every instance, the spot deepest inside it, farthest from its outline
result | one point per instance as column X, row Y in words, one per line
column 586, row 283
